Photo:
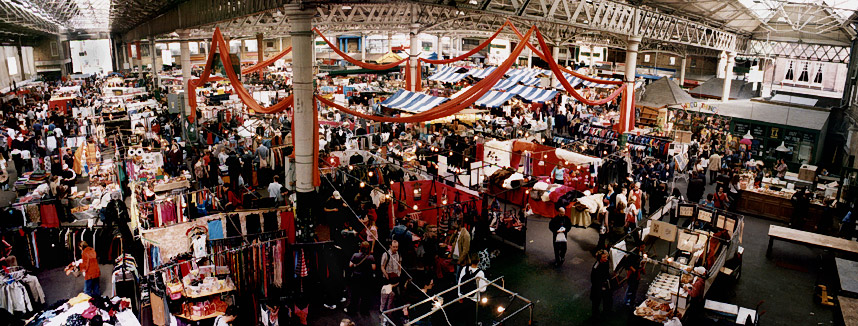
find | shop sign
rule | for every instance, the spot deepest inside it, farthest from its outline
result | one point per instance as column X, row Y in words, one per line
column 740, row 128
column 775, row 133
column 808, row 137
column 792, row 136
column 758, row 131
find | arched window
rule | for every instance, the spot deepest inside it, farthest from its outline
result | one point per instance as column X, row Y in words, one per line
column 804, row 76
column 818, row 77
column 790, row 74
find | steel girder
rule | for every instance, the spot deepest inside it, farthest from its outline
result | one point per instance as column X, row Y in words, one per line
column 803, row 51
column 560, row 20
column 15, row 18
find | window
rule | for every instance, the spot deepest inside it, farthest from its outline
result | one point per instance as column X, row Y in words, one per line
column 672, row 61
column 646, row 57
column 471, row 42
column 269, row 44
column 55, row 50
column 12, row 64
column 803, row 77
column 427, row 46
column 818, row 77
column 790, row 74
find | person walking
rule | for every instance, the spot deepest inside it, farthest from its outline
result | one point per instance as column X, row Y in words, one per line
column 714, row 166
column 90, row 270
column 559, row 227
column 363, row 266
column 600, row 284
column 391, row 262
column 635, row 266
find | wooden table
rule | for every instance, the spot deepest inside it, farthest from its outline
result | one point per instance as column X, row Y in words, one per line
column 810, row 239
column 847, row 272
column 849, row 310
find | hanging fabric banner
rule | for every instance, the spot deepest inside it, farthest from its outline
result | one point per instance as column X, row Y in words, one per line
column 471, row 52
column 245, row 97
column 266, row 62
column 461, row 102
column 356, row 62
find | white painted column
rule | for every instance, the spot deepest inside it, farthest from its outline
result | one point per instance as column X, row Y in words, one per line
column 240, row 51
column 593, row 62
column 439, row 48
column 153, row 53
column 185, row 59
column 529, row 58
column 682, row 71
column 722, row 64
column 629, row 78
column 302, row 45
column 389, row 41
column 728, row 76
column 555, row 52
column 414, row 54
column 363, row 46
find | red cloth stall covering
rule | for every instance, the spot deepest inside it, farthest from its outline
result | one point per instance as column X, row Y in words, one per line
column 517, row 196
column 539, row 153
column 428, row 215
column 543, row 208
column 59, row 104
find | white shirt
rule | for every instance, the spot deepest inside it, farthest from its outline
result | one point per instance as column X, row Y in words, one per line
column 220, row 322
column 481, row 279
column 274, row 190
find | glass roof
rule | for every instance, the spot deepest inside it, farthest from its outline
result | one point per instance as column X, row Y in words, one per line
column 765, row 9
column 94, row 14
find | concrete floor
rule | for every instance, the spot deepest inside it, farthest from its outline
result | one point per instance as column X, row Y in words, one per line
column 561, row 294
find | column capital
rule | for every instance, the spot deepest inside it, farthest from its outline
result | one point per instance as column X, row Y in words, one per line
column 415, row 28
column 634, row 39
column 295, row 10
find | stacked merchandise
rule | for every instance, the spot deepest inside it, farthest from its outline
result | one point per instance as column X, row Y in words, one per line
column 666, row 298
column 84, row 310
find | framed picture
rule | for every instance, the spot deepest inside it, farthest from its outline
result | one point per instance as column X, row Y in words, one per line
column 687, row 210
column 704, row 215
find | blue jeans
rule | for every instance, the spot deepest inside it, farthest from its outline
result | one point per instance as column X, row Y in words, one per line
column 91, row 288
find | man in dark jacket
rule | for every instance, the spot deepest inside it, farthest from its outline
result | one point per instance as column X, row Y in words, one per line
column 559, row 227
column 600, row 284
column 696, row 188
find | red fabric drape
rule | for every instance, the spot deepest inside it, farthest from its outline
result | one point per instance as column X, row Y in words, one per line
column 419, row 85
column 128, row 46
column 246, row 98
column 544, row 56
column 469, row 53
column 556, row 69
column 454, row 105
column 137, row 45
column 408, row 76
column 358, row 62
column 266, row 62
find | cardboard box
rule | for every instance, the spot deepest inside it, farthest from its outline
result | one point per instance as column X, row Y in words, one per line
column 682, row 136
column 807, row 172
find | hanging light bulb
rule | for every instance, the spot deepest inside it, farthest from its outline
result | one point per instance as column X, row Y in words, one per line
column 501, row 308
column 391, row 182
column 370, row 173
column 484, row 300
column 444, row 202
column 351, row 167
column 362, row 184
column 414, row 207
column 545, row 156
column 451, row 153
column 466, row 159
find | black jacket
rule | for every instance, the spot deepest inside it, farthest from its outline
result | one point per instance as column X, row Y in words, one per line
column 559, row 221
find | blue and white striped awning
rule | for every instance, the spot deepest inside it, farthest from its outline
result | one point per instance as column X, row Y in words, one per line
column 413, row 102
column 448, row 74
column 494, row 99
column 588, row 83
column 574, row 81
column 527, row 73
column 508, row 83
column 533, row 94
column 482, row 73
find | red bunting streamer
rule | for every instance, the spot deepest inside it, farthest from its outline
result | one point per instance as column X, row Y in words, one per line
column 469, row 53
column 356, row 62
column 266, row 62
column 245, row 97
column 453, row 106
